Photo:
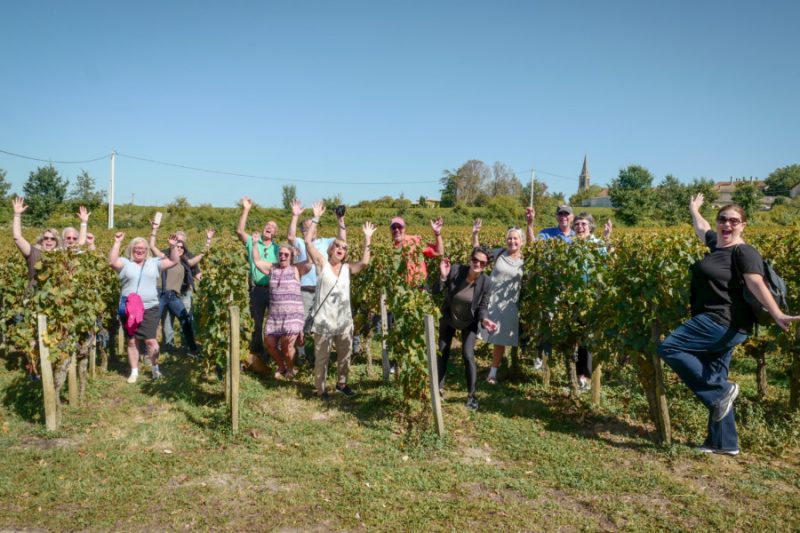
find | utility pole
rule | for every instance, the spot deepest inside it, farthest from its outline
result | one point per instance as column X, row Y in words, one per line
column 111, row 190
column 533, row 184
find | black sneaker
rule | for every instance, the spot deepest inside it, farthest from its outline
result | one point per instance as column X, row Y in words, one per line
column 472, row 403
column 345, row 389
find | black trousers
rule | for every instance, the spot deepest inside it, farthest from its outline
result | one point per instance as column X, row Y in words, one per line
column 468, row 337
column 259, row 305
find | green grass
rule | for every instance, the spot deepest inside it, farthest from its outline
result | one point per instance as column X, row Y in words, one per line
column 160, row 456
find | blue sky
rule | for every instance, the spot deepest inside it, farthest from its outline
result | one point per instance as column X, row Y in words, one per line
column 394, row 92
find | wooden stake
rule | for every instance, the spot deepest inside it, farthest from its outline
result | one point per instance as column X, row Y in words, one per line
column 234, row 367
column 597, row 374
column 93, row 357
column 384, row 333
column 433, row 372
column 72, row 380
column 48, row 385
column 662, row 409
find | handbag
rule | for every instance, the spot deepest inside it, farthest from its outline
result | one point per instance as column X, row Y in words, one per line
column 309, row 323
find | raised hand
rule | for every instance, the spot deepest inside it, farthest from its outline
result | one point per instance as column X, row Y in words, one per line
column 476, row 225
column 210, row 232
column 297, row 208
column 319, row 209
column 608, row 227
column 368, row 228
column 247, row 203
column 118, row 236
column 19, row 205
column 530, row 214
column 83, row 214
column 696, row 202
column 444, row 267
column 437, row 224
column 173, row 239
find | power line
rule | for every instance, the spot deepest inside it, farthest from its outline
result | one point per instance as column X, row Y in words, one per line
column 271, row 178
column 52, row 161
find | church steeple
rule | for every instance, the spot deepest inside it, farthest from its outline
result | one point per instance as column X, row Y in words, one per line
column 584, row 179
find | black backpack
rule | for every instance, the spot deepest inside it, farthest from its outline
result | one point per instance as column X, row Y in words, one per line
column 776, row 286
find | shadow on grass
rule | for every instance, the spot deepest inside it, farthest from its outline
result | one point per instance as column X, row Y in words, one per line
column 24, row 397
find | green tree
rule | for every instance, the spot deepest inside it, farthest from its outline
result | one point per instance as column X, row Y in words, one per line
column 44, row 191
column 540, row 195
column 83, row 192
column 747, row 195
column 4, row 187
column 781, row 180
column 584, row 194
column 289, row 193
column 463, row 185
column 632, row 195
column 672, row 200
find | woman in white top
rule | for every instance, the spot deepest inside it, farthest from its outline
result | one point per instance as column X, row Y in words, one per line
column 332, row 317
column 139, row 272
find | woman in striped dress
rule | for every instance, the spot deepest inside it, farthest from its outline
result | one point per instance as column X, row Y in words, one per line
column 286, row 312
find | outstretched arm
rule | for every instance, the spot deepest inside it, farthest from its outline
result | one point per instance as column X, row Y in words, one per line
column 476, row 229
column 113, row 256
column 83, row 215
column 311, row 250
column 247, row 204
column 701, row 225
column 436, row 225
column 174, row 258
column 368, row 228
column 152, row 242
column 297, row 210
column 19, row 206
column 530, row 215
column 755, row 282
column 341, row 232
column 210, row 232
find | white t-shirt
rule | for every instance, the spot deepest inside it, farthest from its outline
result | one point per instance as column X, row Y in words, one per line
column 129, row 279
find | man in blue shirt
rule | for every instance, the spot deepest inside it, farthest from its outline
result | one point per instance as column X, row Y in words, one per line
column 563, row 230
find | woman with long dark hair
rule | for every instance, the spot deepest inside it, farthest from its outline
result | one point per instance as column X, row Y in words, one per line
column 700, row 350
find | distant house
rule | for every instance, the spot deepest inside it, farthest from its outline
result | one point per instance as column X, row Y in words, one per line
column 725, row 190
column 601, row 200
column 428, row 202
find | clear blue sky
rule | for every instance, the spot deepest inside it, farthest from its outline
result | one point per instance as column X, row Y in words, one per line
column 395, row 92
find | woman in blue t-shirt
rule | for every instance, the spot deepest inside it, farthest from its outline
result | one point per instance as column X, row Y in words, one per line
column 700, row 350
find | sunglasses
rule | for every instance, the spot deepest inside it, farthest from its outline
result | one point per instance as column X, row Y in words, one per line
column 732, row 220
column 563, row 214
column 340, row 246
column 140, row 250
column 478, row 262
column 70, row 238
column 46, row 238
column 284, row 254
column 396, row 226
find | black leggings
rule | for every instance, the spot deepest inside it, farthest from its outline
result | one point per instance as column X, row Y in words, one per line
column 468, row 337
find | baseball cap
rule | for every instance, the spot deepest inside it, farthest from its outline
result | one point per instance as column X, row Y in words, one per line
column 563, row 208
column 398, row 220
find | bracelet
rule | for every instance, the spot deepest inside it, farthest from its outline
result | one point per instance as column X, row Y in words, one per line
column 437, row 234
column 84, row 223
column 315, row 221
column 342, row 227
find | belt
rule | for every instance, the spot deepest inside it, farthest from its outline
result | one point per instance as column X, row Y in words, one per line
column 308, row 289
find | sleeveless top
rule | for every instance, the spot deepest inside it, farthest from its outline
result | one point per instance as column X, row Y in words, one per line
column 503, row 309
column 334, row 316
column 286, row 313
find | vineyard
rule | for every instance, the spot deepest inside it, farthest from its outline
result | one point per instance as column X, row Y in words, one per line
column 619, row 303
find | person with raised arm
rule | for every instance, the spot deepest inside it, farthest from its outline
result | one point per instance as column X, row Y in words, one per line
column 286, row 317
column 173, row 282
column 138, row 273
column 48, row 241
column 699, row 351
column 332, row 321
column 417, row 270
column 259, row 282
column 465, row 307
column 308, row 283
column 72, row 237
column 506, row 279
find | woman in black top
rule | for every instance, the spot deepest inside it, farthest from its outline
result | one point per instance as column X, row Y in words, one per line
column 700, row 350
column 465, row 306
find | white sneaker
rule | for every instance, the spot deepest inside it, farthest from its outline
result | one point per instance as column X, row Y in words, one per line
column 537, row 364
column 709, row 449
column 585, row 384
column 133, row 377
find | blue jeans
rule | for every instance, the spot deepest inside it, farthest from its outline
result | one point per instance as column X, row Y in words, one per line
column 699, row 351
column 166, row 323
column 171, row 305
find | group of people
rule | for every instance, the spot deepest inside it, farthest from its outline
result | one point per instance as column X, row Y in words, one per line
column 302, row 287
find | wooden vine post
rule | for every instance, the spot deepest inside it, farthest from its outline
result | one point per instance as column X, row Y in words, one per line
column 233, row 367
column 72, row 380
column 384, row 333
column 93, row 357
column 597, row 374
column 48, row 385
column 662, row 421
column 433, row 372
